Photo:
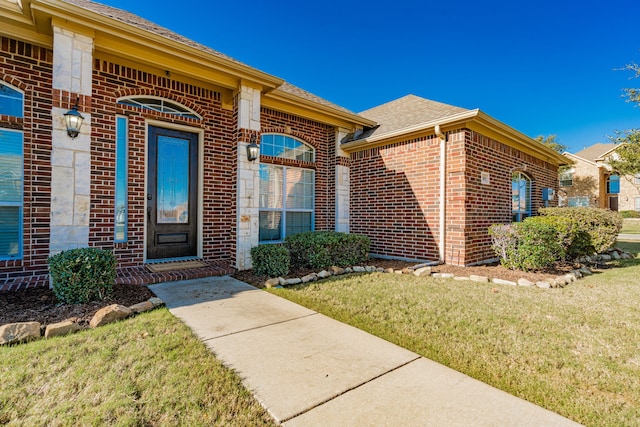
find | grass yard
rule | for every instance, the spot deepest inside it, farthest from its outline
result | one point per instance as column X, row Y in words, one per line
column 630, row 226
column 575, row 351
column 148, row 370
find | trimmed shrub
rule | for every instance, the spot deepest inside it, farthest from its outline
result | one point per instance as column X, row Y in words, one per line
column 322, row 249
column 533, row 244
column 82, row 275
column 630, row 214
column 270, row 260
column 600, row 225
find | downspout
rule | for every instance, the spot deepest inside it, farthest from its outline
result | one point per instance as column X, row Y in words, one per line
column 443, row 189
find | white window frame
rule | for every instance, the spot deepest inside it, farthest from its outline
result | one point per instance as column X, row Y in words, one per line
column 518, row 215
column 166, row 106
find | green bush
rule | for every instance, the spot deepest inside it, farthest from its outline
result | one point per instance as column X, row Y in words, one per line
column 82, row 275
column 270, row 260
column 322, row 249
column 533, row 244
column 600, row 225
column 630, row 214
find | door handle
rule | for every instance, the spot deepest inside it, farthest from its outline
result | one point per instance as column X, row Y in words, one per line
column 149, row 213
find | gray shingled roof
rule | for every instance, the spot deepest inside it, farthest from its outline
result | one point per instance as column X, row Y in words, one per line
column 408, row 111
column 138, row 22
column 595, row 151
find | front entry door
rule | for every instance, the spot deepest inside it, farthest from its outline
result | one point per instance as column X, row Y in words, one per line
column 172, row 194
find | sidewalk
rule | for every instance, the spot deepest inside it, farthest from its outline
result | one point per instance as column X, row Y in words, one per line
column 309, row 370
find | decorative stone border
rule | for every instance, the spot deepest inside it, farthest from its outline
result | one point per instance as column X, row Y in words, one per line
column 12, row 333
column 425, row 270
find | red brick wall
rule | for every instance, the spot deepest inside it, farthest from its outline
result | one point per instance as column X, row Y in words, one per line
column 29, row 68
column 112, row 81
column 395, row 195
column 322, row 138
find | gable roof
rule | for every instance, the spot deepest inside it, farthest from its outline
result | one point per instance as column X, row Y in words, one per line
column 408, row 111
column 414, row 117
column 595, row 152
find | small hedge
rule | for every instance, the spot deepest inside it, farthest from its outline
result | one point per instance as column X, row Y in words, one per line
column 599, row 226
column 270, row 260
column 82, row 275
column 533, row 244
column 322, row 249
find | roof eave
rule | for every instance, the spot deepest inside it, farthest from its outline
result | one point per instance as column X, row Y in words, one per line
column 100, row 23
column 335, row 116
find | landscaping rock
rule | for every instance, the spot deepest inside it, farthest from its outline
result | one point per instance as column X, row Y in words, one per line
column 626, row 255
column 605, row 257
column 407, row 270
column 336, row 271
column 141, row 307
column 370, row 269
column 442, row 275
column 525, row 282
column 397, row 271
column 270, row 283
column 615, row 255
column 422, row 271
column 461, row 278
column 570, row 278
column 64, row 328
column 585, row 271
column 503, row 282
column 359, row 269
column 293, row 281
column 379, row 270
column 543, row 284
column 324, row 274
column 310, row 278
column 19, row 332
column 109, row 314
column 389, row 270
column 559, row 281
column 157, row 302
column 348, row 270
column 476, row 278
column 281, row 281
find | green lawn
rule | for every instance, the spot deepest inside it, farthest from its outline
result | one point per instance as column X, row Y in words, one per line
column 146, row 371
column 630, row 226
column 575, row 351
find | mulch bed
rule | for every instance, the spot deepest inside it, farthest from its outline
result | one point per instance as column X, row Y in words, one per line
column 491, row 271
column 41, row 305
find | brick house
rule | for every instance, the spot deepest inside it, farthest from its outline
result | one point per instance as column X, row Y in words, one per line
column 160, row 168
column 591, row 182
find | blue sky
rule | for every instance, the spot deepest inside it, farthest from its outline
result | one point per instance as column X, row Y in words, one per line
column 543, row 67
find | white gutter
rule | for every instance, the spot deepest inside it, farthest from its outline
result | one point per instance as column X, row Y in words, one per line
column 443, row 189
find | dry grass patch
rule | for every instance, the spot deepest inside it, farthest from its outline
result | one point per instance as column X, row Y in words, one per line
column 574, row 351
column 148, row 370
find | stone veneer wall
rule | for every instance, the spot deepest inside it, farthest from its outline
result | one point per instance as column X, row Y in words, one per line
column 112, row 81
column 395, row 195
column 29, row 68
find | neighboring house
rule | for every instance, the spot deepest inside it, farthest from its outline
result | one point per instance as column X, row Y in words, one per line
column 591, row 182
column 160, row 168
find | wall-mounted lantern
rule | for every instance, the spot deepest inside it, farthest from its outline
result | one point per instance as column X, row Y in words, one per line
column 253, row 150
column 73, row 120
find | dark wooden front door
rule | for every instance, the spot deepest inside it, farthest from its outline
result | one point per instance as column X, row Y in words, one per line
column 172, row 194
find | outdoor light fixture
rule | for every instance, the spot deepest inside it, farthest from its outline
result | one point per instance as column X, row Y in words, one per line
column 73, row 119
column 253, row 150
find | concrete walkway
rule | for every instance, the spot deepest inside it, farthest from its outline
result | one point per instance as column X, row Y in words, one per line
column 629, row 237
column 309, row 370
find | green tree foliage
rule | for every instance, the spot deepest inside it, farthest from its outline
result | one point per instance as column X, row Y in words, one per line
column 552, row 142
column 626, row 160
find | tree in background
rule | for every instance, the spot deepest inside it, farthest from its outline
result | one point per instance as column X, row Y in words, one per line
column 626, row 160
column 552, row 142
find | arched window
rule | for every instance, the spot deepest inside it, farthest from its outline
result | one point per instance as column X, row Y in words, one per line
column 520, row 196
column 613, row 184
column 287, row 193
column 161, row 105
column 11, row 175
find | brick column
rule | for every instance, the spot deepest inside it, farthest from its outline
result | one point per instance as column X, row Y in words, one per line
column 248, row 179
column 343, row 182
column 70, row 158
